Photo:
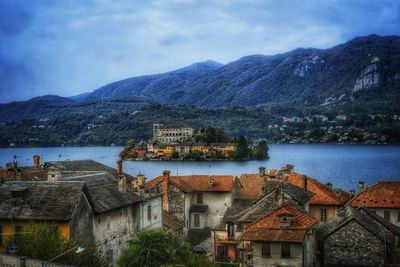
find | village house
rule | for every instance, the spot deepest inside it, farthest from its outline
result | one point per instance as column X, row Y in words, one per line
column 225, row 149
column 62, row 203
column 197, row 202
column 383, row 198
column 325, row 202
column 357, row 237
column 282, row 237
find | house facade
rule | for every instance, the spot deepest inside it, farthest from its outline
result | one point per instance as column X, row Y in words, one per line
column 383, row 198
column 282, row 237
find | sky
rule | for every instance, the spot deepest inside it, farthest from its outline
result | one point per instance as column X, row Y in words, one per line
column 68, row 47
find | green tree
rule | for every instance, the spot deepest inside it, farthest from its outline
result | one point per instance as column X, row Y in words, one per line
column 158, row 247
column 261, row 150
column 44, row 241
column 242, row 148
column 130, row 144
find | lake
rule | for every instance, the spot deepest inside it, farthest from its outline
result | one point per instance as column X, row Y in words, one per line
column 342, row 165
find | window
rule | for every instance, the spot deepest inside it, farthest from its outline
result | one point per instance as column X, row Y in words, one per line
column 196, row 220
column 398, row 215
column 265, row 249
column 1, row 235
column 109, row 255
column 199, row 198
column 323, row 214
column 386, row 215
column 231, row 231
column 285, row 250
column 149, row 212
column 17, row 229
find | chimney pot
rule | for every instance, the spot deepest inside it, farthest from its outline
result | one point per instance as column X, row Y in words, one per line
column 261, row 171
column 305, row 183
column 119, row 167
column 361, row 185
column 36, row 161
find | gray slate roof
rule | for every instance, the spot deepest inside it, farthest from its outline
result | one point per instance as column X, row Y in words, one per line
column 232, row 214
column 86, row 165
column 54, row 201
column 102, row 192
column 273, row 197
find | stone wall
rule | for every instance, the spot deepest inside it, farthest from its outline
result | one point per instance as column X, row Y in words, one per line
column 81, row 227
column 353, row 245
column 14, row 261
column 176, row 202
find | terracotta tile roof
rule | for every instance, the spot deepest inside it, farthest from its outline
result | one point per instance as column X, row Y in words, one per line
column 251, row 186
column 171, row 222
column 323, row 194
column 268, row 227
column 380, row 195
column 221, row 183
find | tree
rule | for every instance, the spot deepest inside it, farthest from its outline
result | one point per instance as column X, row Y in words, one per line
column 44, row 241
column 261, row 150
column 130, row 144
column 242, row 148
column 158, row 247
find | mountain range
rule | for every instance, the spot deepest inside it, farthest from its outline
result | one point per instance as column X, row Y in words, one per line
column 362, row 75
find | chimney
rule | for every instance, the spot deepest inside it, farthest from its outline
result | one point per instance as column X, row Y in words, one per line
column 211, row 183
column 36, row 161
column 352, row 193
column 305, row 181
column 361, row 185
column 119, row 167
column 165, row 185
column 122, row 183
column 261, row 171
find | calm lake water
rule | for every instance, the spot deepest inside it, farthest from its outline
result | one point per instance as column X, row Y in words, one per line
column 342, row 165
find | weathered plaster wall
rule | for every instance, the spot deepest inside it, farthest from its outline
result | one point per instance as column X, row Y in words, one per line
column 156, row 213
column 114, row 228
column 295, row 260
column 353, row 244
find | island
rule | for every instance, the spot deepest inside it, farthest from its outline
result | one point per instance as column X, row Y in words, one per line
column 172, row 142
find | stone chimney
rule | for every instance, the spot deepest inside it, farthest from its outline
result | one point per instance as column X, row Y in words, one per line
column 305, row 182
column 122, row 183
column 119, row 167
column 36, row 161
column 165, row 185
column 261, row 171
column 361, row 185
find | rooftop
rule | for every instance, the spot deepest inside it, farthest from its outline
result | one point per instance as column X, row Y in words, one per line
column 379, row 195
column 268, row 227
column 203, row 183
column 323, row 195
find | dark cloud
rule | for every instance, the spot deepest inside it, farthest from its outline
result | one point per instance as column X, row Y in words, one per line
column 75, row 46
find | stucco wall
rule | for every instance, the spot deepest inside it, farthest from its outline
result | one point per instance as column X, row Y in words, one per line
column 295, row 260
column 315, row 211
column 81, row 226
column 353, row 244
column 393, row 215
column 114, row 228
column 156, row 213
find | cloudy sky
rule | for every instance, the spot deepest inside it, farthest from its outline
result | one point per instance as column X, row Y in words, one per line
column 67, row 47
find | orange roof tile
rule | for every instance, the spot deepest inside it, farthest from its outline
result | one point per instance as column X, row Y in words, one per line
column 221, row 183
column 380, row 195
column 251, row 186
column 268, row 228
column 323, row 194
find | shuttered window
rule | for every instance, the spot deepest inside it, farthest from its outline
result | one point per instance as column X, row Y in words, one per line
column 199, row 198
column 149, row 213
column 323, row 214
column 266, row 249
column 285, row 250
column 196, row 220
column 386, row 215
